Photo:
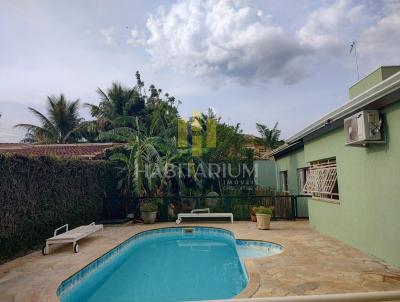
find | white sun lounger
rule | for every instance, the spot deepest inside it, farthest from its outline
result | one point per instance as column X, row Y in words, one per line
column 71, row 236
column 203, row 213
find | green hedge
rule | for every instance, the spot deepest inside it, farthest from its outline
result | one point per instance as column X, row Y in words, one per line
column 116, row 204
column 40, row 194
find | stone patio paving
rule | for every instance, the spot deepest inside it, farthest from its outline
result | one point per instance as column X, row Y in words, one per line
column 310, row 264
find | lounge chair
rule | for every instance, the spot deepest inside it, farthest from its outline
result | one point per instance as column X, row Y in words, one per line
column 71, row 236
column 203, row 213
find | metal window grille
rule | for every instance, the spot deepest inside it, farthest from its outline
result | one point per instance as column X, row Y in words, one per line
column 322, row 180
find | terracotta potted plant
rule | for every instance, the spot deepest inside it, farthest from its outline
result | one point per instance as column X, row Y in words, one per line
column 253, row 216
column 149, row 212
column 263, row 217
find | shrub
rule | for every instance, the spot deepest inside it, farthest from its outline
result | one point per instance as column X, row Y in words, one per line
column 149, row 207
column 39, row 194
column 264, row 210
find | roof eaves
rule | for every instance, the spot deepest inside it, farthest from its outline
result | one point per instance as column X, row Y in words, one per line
column 286, row 148
column 373, row 94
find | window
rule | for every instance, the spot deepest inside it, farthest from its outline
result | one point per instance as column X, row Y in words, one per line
column 302, row 174
column 322, row 180
column 284, row 180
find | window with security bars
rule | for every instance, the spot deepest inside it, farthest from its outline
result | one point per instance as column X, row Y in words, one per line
column 284, row 181
column 302, row 174
column 322, row 180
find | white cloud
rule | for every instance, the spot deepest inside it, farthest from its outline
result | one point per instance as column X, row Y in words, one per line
column 224, row 38
column 326, row 31
column 137, row 38
column 235, row 41
column 108, row 34
column 381, row 42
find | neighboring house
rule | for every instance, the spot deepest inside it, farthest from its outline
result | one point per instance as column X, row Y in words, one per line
column 355, row 187
column 261, row 152
column 263, row 163
column 78, row 151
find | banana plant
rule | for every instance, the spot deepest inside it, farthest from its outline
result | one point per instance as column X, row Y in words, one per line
column 140, row 156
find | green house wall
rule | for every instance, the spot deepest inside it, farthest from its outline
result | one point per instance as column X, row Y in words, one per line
column 379, row 75
column 367, row 215
column 265, row 176
column 291, row 163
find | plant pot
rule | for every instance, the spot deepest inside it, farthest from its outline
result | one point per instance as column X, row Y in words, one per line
column 263, row 221
column 149, row 217
column 253, row 217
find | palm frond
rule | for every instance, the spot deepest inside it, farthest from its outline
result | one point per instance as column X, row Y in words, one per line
column 123, row 120
column 95, row 110
column 121, row 134
column 103, row 96
column 69, row 133
column 119, row 157
column 44, row 120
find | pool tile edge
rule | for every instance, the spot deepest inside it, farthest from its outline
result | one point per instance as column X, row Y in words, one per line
column 254, row 280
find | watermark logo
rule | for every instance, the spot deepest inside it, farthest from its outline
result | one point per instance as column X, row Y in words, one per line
column 200, row 134
column 211, row 170
column 203, row 133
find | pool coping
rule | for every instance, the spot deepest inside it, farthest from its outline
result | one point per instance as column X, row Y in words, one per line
column 254, row 278
column 254, row 275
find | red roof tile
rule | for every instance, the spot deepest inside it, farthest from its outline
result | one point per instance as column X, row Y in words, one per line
column 86, row 150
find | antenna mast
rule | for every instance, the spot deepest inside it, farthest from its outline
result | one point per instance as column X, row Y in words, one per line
column 353, row 45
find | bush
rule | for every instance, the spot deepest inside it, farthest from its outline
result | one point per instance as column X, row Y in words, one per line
column 149, row 207
column 264, row 210
column 40, row 194
column 117, row 203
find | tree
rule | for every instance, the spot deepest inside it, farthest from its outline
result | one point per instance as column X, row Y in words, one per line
column 60, row 126
column 116, row 103
column 168, row 170
column 149, row 163
column 141, row 154
column 269, row 137
column 119, row 106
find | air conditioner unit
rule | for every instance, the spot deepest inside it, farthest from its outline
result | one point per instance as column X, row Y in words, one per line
column 363, row 128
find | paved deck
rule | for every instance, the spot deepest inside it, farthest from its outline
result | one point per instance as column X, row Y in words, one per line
column 311, row 263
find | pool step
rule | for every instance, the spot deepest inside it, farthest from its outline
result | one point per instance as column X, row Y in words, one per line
column 188, row 232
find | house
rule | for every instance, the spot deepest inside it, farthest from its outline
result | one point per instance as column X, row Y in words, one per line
column 76, row 151
column 354, row 181
column 261, row 151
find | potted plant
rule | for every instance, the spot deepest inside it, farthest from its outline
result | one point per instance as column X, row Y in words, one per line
column 149, row 212
column 263, row 217
column 253, row 214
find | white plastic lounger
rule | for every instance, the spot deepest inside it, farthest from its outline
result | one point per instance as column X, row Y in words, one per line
column 203, row 213
column 71, row 236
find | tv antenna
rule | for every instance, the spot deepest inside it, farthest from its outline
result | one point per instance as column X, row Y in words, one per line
column 353, row 46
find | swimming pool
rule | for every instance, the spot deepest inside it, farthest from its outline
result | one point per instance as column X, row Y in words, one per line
column 170, row 264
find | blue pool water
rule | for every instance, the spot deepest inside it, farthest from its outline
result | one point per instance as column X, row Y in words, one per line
column 173, row 264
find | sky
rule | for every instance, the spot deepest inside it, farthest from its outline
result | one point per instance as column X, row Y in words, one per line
column 253, row 61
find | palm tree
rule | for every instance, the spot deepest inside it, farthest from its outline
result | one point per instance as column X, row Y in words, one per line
column 60, row 126
column 269, row 137
column 115, row 104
